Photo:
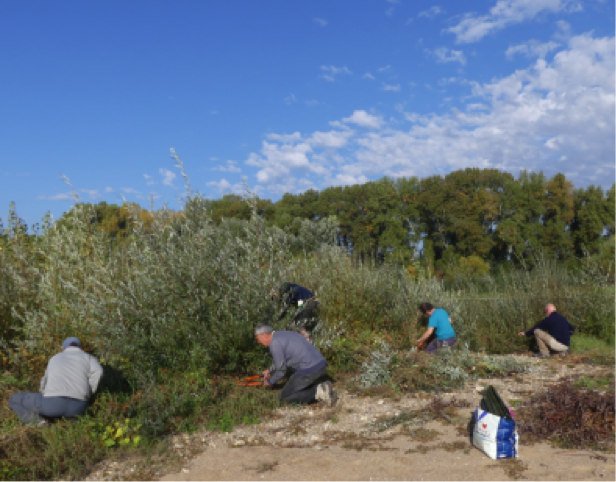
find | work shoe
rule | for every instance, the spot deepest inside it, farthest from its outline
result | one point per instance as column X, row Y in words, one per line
column 325, row 393
column 540, row 355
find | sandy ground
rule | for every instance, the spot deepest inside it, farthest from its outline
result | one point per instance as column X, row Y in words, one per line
column 341, row 443
column 333, row 462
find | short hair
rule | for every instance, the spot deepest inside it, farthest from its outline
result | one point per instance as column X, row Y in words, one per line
column 425, row 307
column 263, row 329
column 74, row 344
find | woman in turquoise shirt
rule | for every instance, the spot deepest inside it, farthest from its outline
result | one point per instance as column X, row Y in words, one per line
column 440, row 325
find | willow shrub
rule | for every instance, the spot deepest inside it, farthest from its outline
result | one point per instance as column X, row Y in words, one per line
column 181, row 295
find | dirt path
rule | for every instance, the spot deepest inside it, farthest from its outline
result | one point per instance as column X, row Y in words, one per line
column 540, row 462
column 344, row 443
column 365, row 438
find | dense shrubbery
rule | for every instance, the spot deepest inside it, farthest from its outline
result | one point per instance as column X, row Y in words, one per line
column 173, row 306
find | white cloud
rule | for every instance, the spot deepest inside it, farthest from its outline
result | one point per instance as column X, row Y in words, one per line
column 290, row 99
column 384, row 69
column 368, row 75
column 320, row 21
column 390, row 11
column 392, row 88
column 230, row 167
column 312, row 102
column 474, row 27
column 168, row 176
column 149, row 180
column 285, row 138
column 332, row 71
column 108, row 189
column 64, row 196
column 444, row 55
column 213, row 112
column 213, row 158
column 335, row 139
column 362, row 118
column 278, row 161
column 129, row 190
column 532, row 48
column 552, row 116
column 93, row 193
column 431, row 12
column 225, row 187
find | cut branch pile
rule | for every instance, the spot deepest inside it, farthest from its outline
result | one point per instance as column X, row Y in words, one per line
column 570, row 417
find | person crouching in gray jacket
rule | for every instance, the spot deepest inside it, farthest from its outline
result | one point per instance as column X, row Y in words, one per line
column 70, row 380
column 290, row 350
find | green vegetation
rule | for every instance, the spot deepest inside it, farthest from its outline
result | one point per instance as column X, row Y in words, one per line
column 168, row 300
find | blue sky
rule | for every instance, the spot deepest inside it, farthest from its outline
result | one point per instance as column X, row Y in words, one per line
column 296, row 95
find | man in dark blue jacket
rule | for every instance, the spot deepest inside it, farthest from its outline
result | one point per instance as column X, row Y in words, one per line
column 293, row 296
column 552, row 333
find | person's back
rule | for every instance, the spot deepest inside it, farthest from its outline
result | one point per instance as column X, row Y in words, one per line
column 557, row 326
column 291, row 350
column 439, row 320
column 72, row 376
column 71, row 373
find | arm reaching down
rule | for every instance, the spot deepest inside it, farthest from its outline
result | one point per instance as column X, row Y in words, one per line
column 96, row 372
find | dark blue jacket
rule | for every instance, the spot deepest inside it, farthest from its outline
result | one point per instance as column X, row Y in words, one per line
column 293, row 293
column 290, row 295
column 557, row 326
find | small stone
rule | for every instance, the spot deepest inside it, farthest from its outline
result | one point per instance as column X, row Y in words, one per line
column 185, row 471
column 239, row 443
column 380, row 402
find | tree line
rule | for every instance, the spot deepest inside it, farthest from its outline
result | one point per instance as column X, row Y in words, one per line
column 467, row 217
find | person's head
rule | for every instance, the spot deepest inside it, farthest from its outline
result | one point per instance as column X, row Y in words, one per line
column 71, row 341
column 263, row 334
column 273, row 294
column 549, row 309
column 426, row 308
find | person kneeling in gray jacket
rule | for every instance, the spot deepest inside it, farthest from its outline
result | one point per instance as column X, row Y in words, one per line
column 290, row 350
column 70, row 380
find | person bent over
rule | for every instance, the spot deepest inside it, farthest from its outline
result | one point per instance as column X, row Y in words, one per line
column 552, row 333
column 439, row 325
column 70, row 380
column 303, row 300
column 290, row 350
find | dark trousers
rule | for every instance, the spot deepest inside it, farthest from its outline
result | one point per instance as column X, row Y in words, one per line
column 303, row 318
column 32, row 407
column 302, row 388
column 435, row 344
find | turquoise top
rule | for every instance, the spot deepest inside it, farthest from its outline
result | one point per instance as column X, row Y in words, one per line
column 439, row 320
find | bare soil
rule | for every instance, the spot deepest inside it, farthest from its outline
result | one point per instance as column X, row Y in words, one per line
column 358, row 439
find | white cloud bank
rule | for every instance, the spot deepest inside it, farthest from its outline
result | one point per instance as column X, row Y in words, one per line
column 474, row 27
column 555, row 116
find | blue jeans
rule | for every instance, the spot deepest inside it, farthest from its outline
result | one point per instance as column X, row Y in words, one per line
column 32, row 407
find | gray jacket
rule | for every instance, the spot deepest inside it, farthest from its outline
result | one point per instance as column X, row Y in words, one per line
column 291, row 350
column 71, row 373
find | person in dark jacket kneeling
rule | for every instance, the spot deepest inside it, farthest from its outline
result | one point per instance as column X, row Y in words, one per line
column 71, row 378
column 552, row 333
column 302, row 302
column 290, row 350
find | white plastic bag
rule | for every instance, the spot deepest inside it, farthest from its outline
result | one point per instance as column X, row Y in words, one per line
column 495, row 436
